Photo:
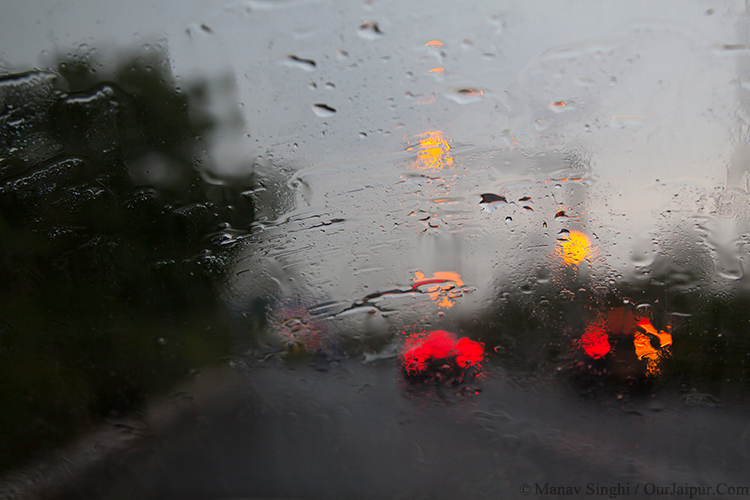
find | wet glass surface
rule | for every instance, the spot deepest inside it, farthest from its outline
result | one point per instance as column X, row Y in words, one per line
column 305, row 249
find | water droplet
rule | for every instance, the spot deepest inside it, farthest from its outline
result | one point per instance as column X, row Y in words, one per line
column 542, row 124
column 492, row 198
column 583, row 81
column 205, row 28
column 561, row 106
column 465, row 95
column 438, row 72
column 330, row 85
column 645, row 309
column 323, row 110
column 299, row 62
column 370, row 30
column 543, row 275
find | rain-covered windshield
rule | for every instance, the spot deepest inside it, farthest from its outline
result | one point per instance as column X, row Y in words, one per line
column 313, row 249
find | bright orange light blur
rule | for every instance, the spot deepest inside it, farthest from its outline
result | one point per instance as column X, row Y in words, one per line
column 645, row 351
column 622, row 321
column 434, row 43
column 574, row 248
column 665, row 339
column 432, row 150
column 643, row 347
column 442, row 287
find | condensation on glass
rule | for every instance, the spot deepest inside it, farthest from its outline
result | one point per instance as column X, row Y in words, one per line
column 367, row 249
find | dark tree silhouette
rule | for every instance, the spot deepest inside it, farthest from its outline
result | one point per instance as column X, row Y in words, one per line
column 109, row 272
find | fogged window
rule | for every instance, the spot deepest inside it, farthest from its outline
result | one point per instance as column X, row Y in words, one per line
column 317, row 250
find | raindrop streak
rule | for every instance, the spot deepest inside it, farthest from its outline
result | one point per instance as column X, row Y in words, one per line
column 323, row 110
column 492, row 198
column 465, row 95
column 306, row 64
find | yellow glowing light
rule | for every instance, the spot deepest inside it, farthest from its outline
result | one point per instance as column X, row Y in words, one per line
column 433, row 151
column 574, row 248
column 434, row 43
